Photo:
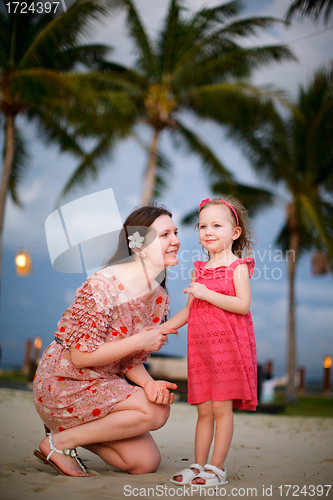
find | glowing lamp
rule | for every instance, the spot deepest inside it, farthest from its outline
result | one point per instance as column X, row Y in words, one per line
column 23, row 263
column 327, row 363
column 38, row 343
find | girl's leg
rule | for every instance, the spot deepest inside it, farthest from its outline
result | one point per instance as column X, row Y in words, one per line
column 130, row 418
column 138, row 455
column 203, row 434
column 204, row 431
column 224, row 427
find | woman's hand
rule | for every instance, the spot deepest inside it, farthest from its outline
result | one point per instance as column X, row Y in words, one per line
column 152, row 339
column 198, row 290
column 157, row 391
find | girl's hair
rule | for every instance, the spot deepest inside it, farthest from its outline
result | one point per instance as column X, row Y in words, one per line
column 244, row 243
column 138, row 220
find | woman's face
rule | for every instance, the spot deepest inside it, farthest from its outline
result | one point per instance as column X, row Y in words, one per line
column 163, row 250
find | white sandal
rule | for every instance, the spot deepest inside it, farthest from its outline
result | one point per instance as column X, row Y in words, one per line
column 66, row 451
column 188, row 474
column 215, row 478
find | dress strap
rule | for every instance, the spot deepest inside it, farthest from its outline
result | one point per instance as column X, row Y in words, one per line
column 247, row 260
column 61, row 342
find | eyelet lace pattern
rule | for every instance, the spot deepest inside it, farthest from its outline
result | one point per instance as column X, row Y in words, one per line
column 221, row 345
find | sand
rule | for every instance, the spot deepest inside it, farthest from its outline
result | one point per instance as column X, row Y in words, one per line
column 267, row 453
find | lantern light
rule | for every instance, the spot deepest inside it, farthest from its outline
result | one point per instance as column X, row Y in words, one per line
column 23, row 263
column 327, row 363
column 38, row 343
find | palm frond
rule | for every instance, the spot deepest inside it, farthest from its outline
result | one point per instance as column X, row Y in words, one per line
column 52, row 130
column 90, row 166
column 146, row 60
column 168, row 38
column 218, row 14
column 194, row 145
column 253, row 198
column 69, row 29
column 320, row 214
column 90, row 56
column 19, row 167
column 311, row 8
column 36, row 85
column 248, row 26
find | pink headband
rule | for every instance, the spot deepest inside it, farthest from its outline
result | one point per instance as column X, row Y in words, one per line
column 221, row 201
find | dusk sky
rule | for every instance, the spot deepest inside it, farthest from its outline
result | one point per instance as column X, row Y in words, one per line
column 33, row 305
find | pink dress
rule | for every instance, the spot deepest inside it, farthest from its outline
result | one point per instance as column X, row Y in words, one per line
column 221, row 345
column 103, row 311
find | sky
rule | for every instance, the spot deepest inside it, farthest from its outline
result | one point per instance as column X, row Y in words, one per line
column 32, row 306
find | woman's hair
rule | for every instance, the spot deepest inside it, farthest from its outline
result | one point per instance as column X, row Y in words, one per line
column 244, row 243
column 139, row 220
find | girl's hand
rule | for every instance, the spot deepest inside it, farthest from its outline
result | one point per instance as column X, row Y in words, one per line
column 198, row 290
column 157, row 391
column 152, row 339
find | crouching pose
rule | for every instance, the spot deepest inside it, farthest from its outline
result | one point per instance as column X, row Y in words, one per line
column 80, row 390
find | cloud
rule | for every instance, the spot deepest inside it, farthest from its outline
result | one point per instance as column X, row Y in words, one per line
column 32, row 192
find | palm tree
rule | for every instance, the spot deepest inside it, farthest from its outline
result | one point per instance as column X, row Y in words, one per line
column 40, row 57
column 311, row 8
column 195, row 68
column 296, row 154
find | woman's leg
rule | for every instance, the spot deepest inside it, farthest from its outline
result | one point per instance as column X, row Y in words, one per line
column 224, row 428
column 138, row 455
column 130, row 418
column 203, row 434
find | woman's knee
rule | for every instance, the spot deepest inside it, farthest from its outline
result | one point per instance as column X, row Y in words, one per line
column 146, row 464
column 158, row 415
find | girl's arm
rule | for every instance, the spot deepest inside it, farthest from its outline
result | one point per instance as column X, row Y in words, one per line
column 148, row 339
column 180, row 319
column 239, row 304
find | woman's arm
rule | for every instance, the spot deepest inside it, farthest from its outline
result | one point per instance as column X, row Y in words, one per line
column 239, row 304
column 156, row 391
column 148, row 339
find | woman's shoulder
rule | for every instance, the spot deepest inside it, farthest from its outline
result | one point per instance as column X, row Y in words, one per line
column 99, row 285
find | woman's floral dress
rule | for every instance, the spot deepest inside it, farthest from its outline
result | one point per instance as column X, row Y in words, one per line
column 103, row 311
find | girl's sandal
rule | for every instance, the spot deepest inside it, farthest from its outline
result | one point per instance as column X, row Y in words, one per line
column 66, row 451
column 212, row 475
column 187, row 474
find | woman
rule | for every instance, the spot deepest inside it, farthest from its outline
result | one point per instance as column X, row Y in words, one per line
column 80, row 391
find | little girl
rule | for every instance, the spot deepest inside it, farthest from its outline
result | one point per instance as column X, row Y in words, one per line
column 222, row 370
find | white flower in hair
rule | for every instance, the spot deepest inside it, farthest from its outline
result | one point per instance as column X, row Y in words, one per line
column 136, row 240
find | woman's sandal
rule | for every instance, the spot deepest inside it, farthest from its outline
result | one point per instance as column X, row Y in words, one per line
column 215, row 478
column 66, row 451
column 188, row 474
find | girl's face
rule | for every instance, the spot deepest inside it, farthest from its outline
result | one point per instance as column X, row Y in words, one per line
column 163, row 250
column 217, row 229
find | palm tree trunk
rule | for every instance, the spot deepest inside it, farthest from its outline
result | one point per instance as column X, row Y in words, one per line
column 293, row 250
column 7, row 167
column 148, row 188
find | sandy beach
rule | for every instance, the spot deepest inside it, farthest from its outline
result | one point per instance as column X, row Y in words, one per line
column 267, row 454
